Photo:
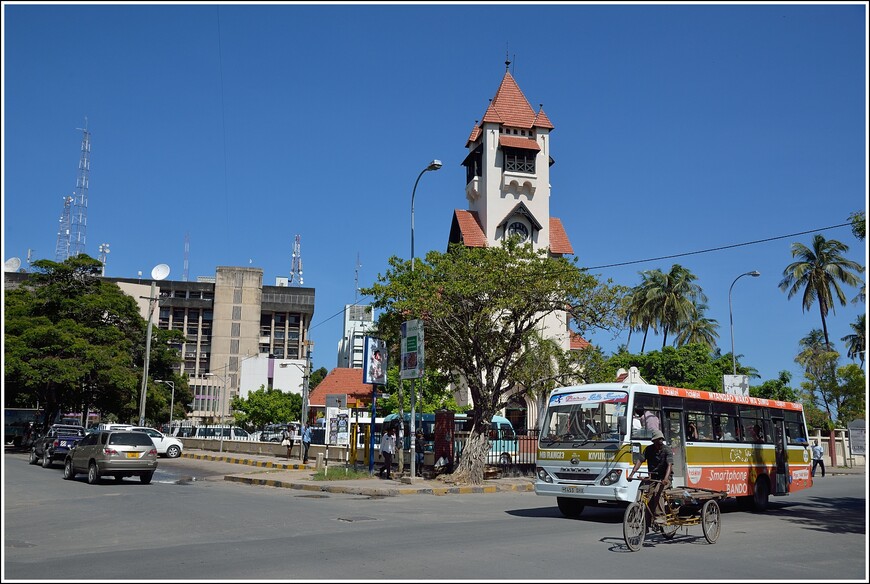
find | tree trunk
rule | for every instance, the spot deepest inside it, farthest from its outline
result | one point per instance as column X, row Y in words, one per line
column 471, row 466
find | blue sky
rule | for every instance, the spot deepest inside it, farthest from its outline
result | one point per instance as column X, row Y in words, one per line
column 678, row 128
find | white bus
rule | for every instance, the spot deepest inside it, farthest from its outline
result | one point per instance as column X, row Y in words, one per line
column 749, row 447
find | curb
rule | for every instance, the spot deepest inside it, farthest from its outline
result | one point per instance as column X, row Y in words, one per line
column 380, row 491
column 248, row 461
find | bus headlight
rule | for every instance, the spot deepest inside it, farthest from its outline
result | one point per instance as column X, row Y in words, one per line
column 611, row 477
column 544, row 475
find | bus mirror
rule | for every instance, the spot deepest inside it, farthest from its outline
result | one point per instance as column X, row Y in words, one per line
column 636, row 452
column 621, row 425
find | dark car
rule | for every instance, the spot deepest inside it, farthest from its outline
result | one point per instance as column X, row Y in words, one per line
column 117, row 454
column 55, row 444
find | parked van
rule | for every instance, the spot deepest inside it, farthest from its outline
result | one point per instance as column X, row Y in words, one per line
column 222, row 433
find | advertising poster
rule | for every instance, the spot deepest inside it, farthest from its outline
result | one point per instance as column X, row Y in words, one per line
column 375, row 359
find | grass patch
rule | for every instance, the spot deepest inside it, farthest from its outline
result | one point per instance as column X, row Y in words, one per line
column 340, row 473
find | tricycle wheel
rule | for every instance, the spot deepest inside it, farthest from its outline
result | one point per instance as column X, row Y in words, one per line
column 711, row 520
column 634, row 526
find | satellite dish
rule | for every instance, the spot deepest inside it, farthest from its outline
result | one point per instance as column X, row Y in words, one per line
column 160, row 272
column 12, row 265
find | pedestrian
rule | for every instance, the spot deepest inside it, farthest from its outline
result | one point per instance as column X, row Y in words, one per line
column 306, row 442
column 419, row 451
column 287, row 439
column 388, row 447
column 818, row 459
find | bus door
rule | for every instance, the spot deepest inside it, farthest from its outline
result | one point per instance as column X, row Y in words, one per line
column 676, row 439
column 781, row 484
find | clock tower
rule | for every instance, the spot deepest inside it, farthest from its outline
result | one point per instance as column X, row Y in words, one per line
column 507, row 173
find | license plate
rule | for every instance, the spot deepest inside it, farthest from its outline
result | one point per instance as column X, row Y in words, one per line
column 573, row 489
column 132, row 455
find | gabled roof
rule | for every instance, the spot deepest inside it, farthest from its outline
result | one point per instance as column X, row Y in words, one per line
column 466, row 229
column 559, row 242
column 521, row 209
column 341, row 380
column 577, row 342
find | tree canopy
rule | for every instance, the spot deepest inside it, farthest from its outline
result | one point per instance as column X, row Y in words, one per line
column 480, row 307
column 75, row 342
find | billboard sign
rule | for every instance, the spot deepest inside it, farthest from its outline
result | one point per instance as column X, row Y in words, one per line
column 412, row 349
column 735, row 384
column 375, row 360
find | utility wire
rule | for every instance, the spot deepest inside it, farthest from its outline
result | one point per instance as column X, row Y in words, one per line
column 678, row 255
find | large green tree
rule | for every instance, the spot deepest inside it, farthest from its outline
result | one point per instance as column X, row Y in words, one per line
column 266, row 406
column 74, row 341
column 480, row 306
column 671, row 298
column 856, row 342
column 818, row 272
column 698, row 329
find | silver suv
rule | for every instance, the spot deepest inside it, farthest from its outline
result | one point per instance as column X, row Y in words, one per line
column 106, row 453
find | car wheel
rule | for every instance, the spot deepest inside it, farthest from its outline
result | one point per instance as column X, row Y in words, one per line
column 173, row 451
column 46, row 459
column 146, row 478
column 93, row 473
column 69, row 472
column 33, row 457
column 118, row 478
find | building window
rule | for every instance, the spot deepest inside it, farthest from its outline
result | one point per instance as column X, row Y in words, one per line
column 518, row 160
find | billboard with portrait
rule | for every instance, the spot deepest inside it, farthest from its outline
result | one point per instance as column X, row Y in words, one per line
column 375, row 360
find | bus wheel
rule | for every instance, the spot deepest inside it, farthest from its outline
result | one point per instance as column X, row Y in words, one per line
column 761, row 494
column 571, row 508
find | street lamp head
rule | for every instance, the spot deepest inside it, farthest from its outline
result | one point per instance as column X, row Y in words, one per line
column 434, row 165
column 754, row 273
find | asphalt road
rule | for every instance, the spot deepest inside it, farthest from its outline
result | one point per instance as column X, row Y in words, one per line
column 189, row 524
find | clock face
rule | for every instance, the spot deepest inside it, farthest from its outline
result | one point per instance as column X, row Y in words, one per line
column 518, row 229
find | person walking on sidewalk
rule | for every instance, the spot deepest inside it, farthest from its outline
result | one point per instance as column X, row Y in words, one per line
column 419, row 452
column 287, row 439
column 306, row 441
column 818, row 459
column 388, row 447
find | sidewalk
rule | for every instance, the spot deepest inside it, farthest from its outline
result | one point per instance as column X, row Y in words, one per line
column 281, row 473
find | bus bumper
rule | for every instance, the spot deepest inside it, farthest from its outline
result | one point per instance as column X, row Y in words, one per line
column 613, row 493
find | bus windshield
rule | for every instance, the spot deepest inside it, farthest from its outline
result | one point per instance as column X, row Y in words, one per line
column 574, row 419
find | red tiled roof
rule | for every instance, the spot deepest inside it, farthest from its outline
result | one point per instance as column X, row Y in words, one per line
column 342, row 380
column 515, row 142
column 475, row 134
column 577, row 342
column 469, row 227
column 510, row 105
column 559, row 242
column 542, row 121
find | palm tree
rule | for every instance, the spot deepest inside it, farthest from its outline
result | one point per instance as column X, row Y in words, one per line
column 640, row 318
column 856, row 343
column 819, row 271
column 671, row 298
column 699, row 329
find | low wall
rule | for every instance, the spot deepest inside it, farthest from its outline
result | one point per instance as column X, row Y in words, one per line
column 332, row 453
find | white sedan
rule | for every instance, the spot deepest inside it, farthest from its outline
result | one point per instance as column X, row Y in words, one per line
column 166, row 445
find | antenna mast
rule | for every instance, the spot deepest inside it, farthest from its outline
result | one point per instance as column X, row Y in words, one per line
column 61, row 250
column 356, row 279
column 79, row 209
column 296, row 265
column 186, row 255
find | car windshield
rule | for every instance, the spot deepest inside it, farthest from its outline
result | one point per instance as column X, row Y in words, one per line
column 130, row 439
column 580, row 417
column 70, row 431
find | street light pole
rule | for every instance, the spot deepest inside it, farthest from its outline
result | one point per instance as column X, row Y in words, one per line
column 309, row 348
column 754, row 274
column 434, row 165
column 143, row 391
column 171, row 402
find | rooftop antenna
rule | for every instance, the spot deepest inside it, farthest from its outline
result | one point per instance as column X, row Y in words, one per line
column 356, row 279
column 186, row 256
column 30, row 256
column 104, row 252
column 61, row 250
column 296, row 262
